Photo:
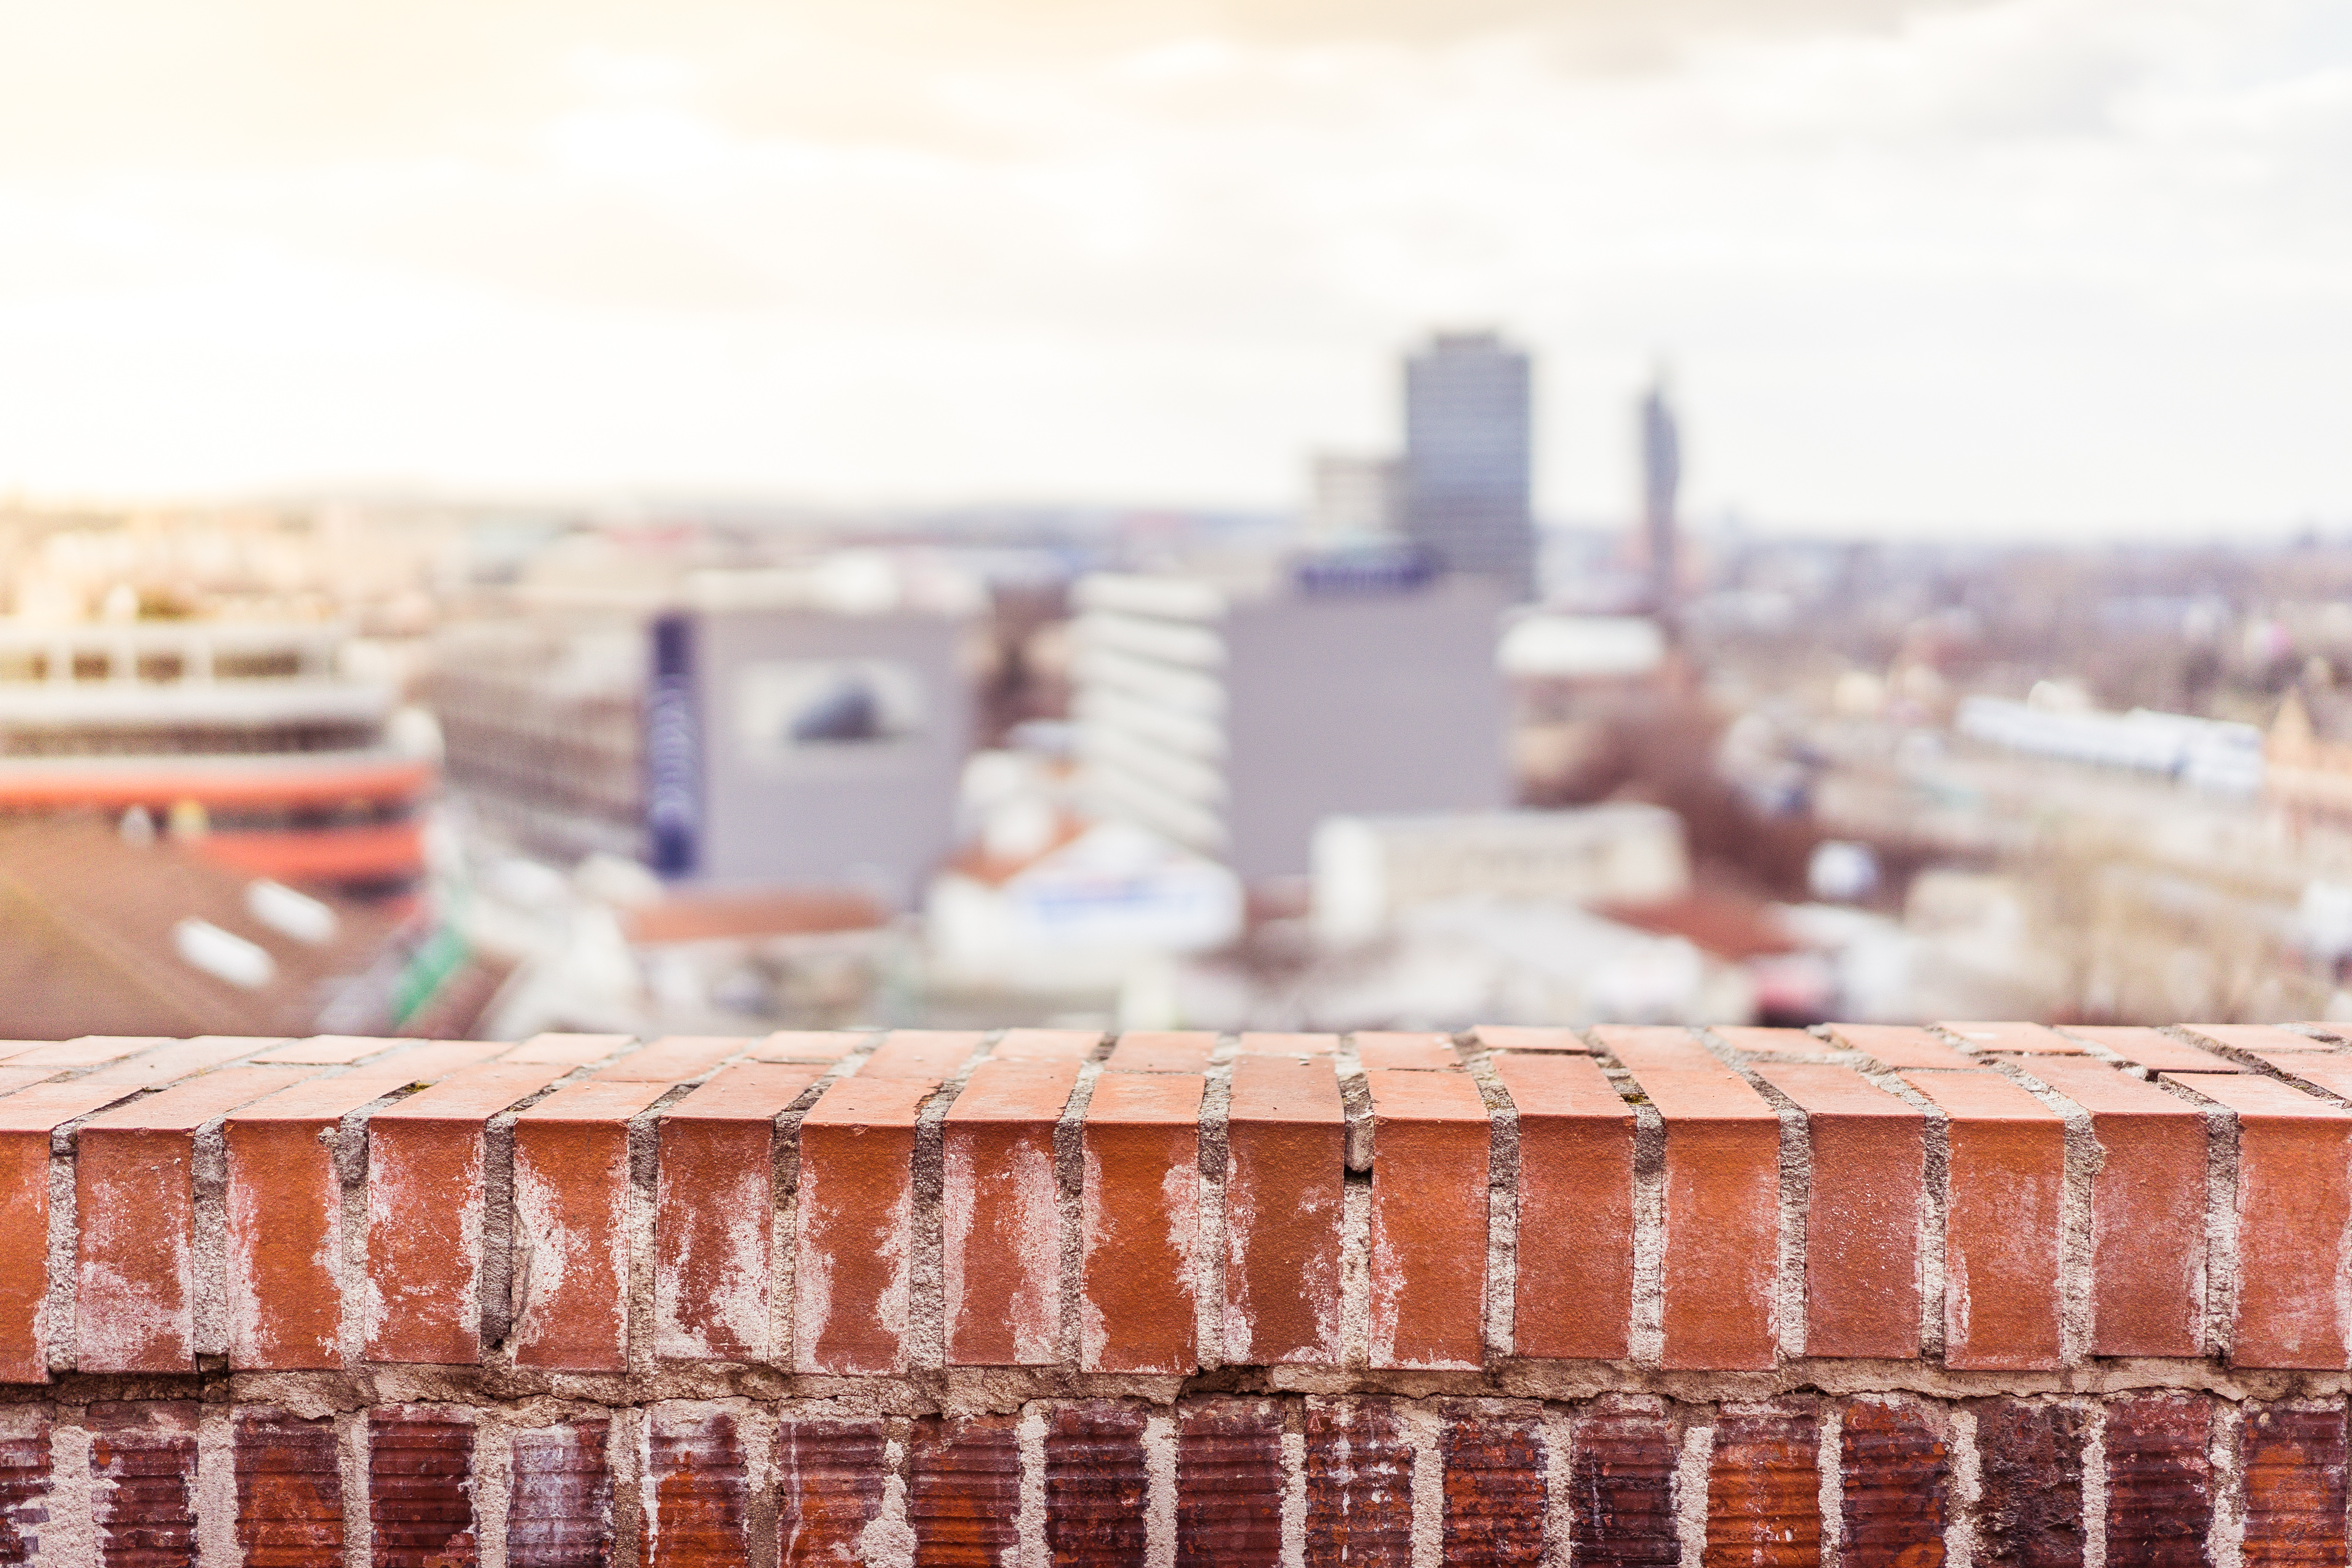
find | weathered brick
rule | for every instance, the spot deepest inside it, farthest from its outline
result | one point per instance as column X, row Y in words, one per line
column 568, row 1050
column 809, row 1045
column 1002, row 1214
column 1764, row 1491
column 434, row 1060
column 1428, row 1262
column 830, row 1476
column 673, row 1059
column 1270, row 1043
column 572, row 1225
column 700, row 1492
column 27, row 1119
column 142, row 1464
column 1095, row 1484
column 1229, row 1484
column 2295, row 1201
column 930, row 1056
column 1515, row 1037
column 25, row 1482
column 290, row 1491
column 1162, row 1051
column 714, row 1213
column 1140, row 1211
column 172, row 1060
column 1493, row 1485
column 1622, row 1476
column 1899, row 1046
column 2332, row 1074
column 560, row 1498
column 2255, row 1037
column 1659, row 1047
column 1862, row 1210
column 1426, row 1052
column 1046, row 1045
column 1574, row 1294
column 1285, row 1189
column 2292, row 1460
column 2029, row 1465
column 2154, row 1050
column 856, row 1242
column 420, row 1490
column 2025, row 1038
column 2160, row 1480
column 1894, row 1481
column 1770, row 1044
column 86, row 1051
column 1359, row 1484
column 1722, row 1217
column 963, row 1489
column 2008, row 1168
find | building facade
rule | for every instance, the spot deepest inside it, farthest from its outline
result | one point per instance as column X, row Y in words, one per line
column 1469, row 446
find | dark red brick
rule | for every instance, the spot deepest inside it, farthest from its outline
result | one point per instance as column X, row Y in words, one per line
column 1764, row 1491
column 1095, row 1484
column 1895, row 1486
column 2293, row 1461
column 143, row 1463
column 289, row 1492
column 1229, row 1485
column 829, row 1481
column 24, row 1493
column 1494, row 1489
column 2160, row 1482
column 420, row 1496
column 1359, row 1485
column 963, row 1490
column 2030, row 1457
column 1621, row 1473
column 694, row 1469
column 560, row 1507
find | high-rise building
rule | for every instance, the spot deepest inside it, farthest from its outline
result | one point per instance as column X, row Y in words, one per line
column 1469, row 458
column 1356, row 501
column 1662, row 475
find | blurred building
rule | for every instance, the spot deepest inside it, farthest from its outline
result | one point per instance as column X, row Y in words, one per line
column 1662, row 477
column 1234, row 722
column 1469, row 458
column 245, row 738
column 1355, row 500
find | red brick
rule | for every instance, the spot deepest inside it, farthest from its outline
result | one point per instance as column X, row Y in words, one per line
column 2292, row 1460
column 2255, row 1037
column 572, row 1225
column 963, row 1490
column 2148, row 1210
column 420, row 1490
column 1764, row 1491
column 1576, row 1179
column 1095, row 1484
column 930, row 1056
column 568, row 1049
column 2030, row 1485
column 15, row 1077
column 434, row 1060
column 1428, row 1264
column 88, row 1051
column 1494, row 1487
column 714, row 1213
column 700, row 1492
column 285, row 1223
column 673, row 1059
column 176, row 1058
column 1772, row 1044
column 1432, row 1052
column 1514, row 1037
column 1141, row 1218
column 1264, row 1043
column 2006, row 1159
column 2331, row 1074
column 1002, row 1214
column 1229, row 1484
column 856, row 1216
column 1722, row 1218
column 1047, row 1045
column 1861, row 1213
column 2155, row 1050
column 560, row 1499
column 1359, row 1485
column 425, row 1213
column 142, row 1464
column 807, row 1045
column 1657, row 1047
column 1284, row 1194
column 134, row 1209
column 25, row 1486
column 289, row 1492
column 2160, row 1482
column 9, row 1048
column 830, row 1476
column 333, row 1050
column 27, row 1119
column 1621, row 1469
column 1162, row 1051
column 2292, row 1206
column 2016, row 1039
column 1899, row 1046
column 1894, row 1488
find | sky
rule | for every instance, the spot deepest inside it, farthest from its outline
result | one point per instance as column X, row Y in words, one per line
column 2026, row 268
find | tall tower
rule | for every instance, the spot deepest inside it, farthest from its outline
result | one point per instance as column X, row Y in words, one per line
column 1662, row 476
column 1468, row 457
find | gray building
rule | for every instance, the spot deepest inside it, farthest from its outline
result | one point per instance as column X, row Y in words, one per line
column 1234, row 723
column 1469, row 458
column 1662, row 477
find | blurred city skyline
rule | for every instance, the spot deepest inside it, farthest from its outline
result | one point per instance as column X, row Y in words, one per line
column 2073, row 265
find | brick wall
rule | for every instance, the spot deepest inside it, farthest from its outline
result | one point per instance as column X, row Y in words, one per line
column 1984, row 1293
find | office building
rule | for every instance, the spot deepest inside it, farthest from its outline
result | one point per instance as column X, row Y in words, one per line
column 1662, row 476
column 1469, row 458
column 1234, row 722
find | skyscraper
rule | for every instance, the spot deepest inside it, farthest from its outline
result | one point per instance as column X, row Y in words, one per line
column 1468, row 456
column 1662, row 475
